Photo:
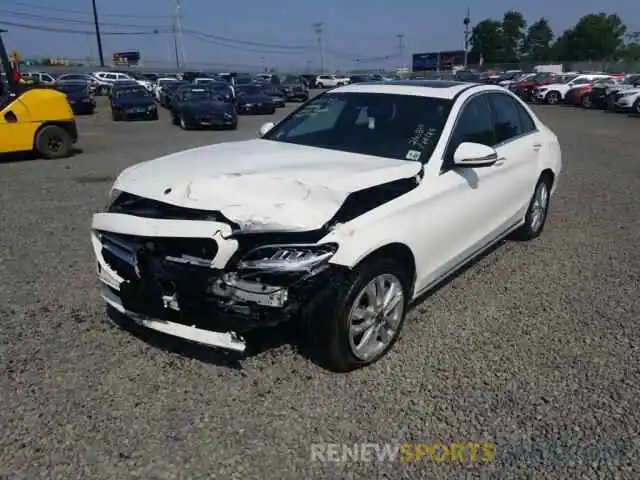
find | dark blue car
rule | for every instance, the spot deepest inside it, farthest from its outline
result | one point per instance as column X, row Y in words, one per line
column 132, row 103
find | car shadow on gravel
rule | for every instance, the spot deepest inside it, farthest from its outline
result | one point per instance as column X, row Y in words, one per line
column 258, row 342
column 263, row 340
column 31, row 156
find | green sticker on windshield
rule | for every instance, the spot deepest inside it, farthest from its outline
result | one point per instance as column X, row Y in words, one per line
column 413, row 155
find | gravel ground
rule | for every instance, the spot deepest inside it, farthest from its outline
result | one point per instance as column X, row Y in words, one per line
column 537, row 342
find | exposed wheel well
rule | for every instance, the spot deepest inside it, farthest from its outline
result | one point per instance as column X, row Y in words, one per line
column 401, row 253
column 550, row 177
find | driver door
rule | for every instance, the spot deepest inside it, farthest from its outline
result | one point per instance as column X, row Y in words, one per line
column 465, row 206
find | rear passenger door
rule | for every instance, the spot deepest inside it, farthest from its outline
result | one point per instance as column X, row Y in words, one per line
column 518, row 145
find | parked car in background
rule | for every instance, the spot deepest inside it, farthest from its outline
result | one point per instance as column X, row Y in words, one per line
column 294, row 88
column 526, row 86
column 166, row 92
column 252, row 99
column 276, row 94
column 628, row 100
column 600, row 90
column 78, row 77
column 330, row 81
column 105, row 80
column 554, row 93
column 79, row 96
column 195, row 107
column 38, row 78
column 576, row 96
column 132, row 102
column 161, row 82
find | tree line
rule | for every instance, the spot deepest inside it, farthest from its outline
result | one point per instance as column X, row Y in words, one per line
column 597, row 36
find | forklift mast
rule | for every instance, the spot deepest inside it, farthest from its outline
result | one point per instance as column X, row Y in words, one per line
column 6, row 66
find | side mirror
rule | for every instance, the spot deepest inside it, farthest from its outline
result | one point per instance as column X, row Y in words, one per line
column 472, row 155
column 264, row 129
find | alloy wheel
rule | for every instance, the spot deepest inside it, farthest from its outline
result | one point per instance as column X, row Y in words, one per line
column 539, row 206
column 375, row 316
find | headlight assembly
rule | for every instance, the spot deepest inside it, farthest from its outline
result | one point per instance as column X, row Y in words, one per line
column 113, row 196
column 287, row 258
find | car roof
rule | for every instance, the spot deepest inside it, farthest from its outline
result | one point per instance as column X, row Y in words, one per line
column 444, row 89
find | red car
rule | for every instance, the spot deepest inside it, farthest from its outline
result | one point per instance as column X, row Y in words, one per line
column 524, row 89
column 578, row 96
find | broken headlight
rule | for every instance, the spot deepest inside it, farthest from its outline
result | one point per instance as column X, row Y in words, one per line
column 114, row 193
column 287, row 258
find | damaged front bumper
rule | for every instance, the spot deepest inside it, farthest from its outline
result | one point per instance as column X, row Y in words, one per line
column 197, row 287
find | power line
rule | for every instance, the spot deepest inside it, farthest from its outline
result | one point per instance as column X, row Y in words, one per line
column 70, row 31
column 234, row 46
column 85, row 12
column 51, row 18
column 159, row 28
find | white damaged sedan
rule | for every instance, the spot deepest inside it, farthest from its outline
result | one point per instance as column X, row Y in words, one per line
column 339, row 216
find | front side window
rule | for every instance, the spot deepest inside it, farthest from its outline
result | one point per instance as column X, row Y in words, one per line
column 403, row 127
column 506, row 118
column 475, row 124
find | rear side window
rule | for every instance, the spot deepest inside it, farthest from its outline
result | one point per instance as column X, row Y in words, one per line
column 506, row 118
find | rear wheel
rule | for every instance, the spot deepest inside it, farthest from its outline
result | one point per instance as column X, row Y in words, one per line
column 53, row 142
column 536, row 215
column 636, row 106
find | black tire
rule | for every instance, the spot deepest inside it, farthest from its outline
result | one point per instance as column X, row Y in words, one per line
column 636, row 106
column 115, row 115
column 103, row 90
column 154, row 116
column 552, row 98
column 330, row 324
column 586, row 101
column 611, row 103
column 272, row 111
column 319, row 85
column 183, row 123
column 53, row 142
column 531, row 228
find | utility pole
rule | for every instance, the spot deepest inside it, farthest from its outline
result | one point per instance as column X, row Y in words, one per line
column 318, row 29
column 98, row 38
column 400, row 38
column 466, row 22
column 179, row 35
column 175, row 45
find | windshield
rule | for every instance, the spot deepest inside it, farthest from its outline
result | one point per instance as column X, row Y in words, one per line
column 165, row 81
column 78, row 88
column 403, row 127
column 131, row 92
column 291, row 79
column 249, row 89
column 173, row 86
column 197, row 94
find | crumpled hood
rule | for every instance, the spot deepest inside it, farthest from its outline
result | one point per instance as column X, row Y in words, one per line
column 262, row 184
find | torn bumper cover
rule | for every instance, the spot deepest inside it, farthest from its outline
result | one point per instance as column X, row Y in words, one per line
column 204, row 288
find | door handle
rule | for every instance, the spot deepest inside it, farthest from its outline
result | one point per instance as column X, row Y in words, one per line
column 537, row 146
column 499, row 162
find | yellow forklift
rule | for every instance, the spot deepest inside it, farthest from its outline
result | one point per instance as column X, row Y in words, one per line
column 33, row 118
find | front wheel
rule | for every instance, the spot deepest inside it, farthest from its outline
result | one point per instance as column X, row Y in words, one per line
column 587, row 101
column 183, row 123
column 536, row 215
column 364, row 324
column 636, row 106
column 320, row 85
column 53, row 141
column 553, row 98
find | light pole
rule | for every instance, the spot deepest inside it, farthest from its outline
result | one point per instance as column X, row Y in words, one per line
column 318, row 29
column 400, row 38
column 98, row 38
column 466, row 22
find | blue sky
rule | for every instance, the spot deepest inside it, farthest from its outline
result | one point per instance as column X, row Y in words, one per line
column 355, row 28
